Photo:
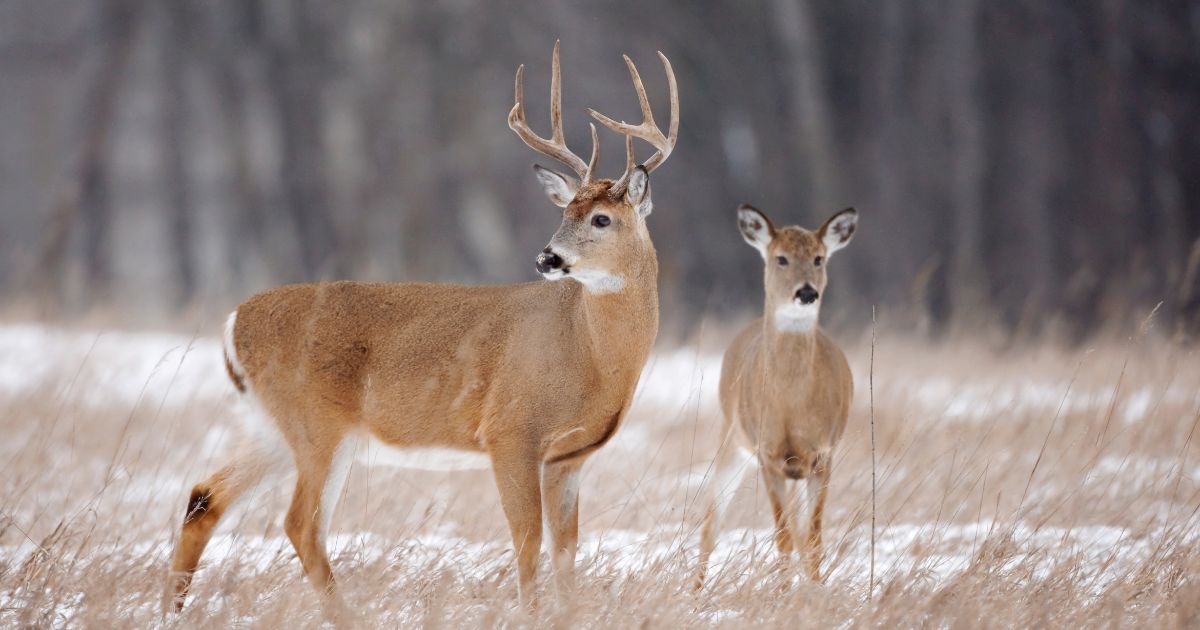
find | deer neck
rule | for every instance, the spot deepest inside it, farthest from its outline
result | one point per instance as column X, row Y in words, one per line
column 621, row 325
column 787, row 342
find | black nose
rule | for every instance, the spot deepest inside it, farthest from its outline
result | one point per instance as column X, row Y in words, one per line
column 807, row 294
column 548, row 261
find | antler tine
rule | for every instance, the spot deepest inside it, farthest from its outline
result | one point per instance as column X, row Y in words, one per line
column 591, row 167
column 555, row 147
column 648, row 130
column 556, row 128
column 640, row 88
column 673, row 129
column 629, row 164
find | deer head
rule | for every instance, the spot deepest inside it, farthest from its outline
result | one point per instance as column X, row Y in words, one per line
column 603, row 235
column 795, row 261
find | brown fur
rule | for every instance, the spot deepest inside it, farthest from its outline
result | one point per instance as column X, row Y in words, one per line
column 238, row 382
column 593, row 447
column 785, row 395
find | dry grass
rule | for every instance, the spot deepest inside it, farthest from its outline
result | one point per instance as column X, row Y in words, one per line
column 1016, row 488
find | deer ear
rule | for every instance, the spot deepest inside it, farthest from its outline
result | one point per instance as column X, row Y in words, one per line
column 838, row 230
column 756, row 228
column 637, row 191
column 559, row 188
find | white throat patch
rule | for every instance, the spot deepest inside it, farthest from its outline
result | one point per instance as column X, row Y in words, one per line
column 598, row 281
column 595, row 281
column 796, row 318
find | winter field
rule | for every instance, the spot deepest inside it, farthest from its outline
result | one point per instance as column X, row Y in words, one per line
column 1015, row 488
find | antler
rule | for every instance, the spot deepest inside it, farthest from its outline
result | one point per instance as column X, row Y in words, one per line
column 555, row 147
column 647, row 130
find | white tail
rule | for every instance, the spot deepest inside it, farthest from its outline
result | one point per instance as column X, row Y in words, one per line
column 785, row 386
column 533, row 377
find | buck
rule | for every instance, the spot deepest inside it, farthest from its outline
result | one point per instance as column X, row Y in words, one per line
column 785, row 387
column 530, row 379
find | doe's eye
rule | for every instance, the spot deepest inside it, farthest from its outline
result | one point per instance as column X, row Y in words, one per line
column 782, row 260
column 601, row 220
column 818, row 260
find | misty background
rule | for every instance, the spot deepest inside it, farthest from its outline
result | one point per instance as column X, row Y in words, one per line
column 1020, row 166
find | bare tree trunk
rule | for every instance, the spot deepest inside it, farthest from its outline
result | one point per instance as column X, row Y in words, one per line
column 296, row 73
column 420, row 160
column 84, row 194
column 809, row 102
column 967, row 279
column 225, row 63
column 175, row 47
column 896, row 272
column 1188, row 323
column 1034, row 155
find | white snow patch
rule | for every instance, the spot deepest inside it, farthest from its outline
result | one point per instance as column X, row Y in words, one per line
column 114, row 368
column 681, row 381
column 1137, row 405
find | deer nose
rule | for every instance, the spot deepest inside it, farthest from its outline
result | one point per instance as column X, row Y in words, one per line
column 807, row 294
column 548, row 261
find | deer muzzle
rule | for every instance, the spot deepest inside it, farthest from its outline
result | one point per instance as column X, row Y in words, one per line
column 807, row 294
column 548, row 261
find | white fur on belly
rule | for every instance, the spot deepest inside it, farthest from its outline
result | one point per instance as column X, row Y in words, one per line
column 378, row 453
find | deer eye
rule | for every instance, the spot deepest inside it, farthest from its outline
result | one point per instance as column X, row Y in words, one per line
column 782, row 260
column 601, row 220
column 818, row 260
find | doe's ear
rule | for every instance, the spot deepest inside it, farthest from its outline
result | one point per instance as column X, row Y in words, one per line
column 838, row 230
column 559, row 188
column 756, row 228
column 637, row 191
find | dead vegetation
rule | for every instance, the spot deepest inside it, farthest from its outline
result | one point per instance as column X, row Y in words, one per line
column 1024, row 487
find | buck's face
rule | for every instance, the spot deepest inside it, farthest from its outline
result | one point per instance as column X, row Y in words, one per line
column 795, row 263
column 603, row 229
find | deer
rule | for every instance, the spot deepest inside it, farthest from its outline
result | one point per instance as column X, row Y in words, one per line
column 528, row 379
column 785, row 387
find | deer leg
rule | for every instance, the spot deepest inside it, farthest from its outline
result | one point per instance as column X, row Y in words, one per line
column 211, row 499
column 728, row 472
column 517, row 471
column 782, row 507
column 560, row 500
column 818, row 491
column 322, row 471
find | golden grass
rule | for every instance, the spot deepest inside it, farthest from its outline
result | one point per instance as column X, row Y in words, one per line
column 1042, row 487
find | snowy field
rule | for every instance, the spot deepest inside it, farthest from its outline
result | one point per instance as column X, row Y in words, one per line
column 1046, row 487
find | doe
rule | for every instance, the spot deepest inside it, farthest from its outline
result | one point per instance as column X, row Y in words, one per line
column 785, row 387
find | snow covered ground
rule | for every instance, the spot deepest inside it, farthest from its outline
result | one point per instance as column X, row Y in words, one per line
column 1056, row 468
column 125, row 368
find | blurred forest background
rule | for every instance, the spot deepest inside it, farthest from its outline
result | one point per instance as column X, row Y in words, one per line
column 1021, row 166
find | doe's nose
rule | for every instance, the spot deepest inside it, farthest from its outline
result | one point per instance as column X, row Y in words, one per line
column 807, row 294
column 548, row 261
